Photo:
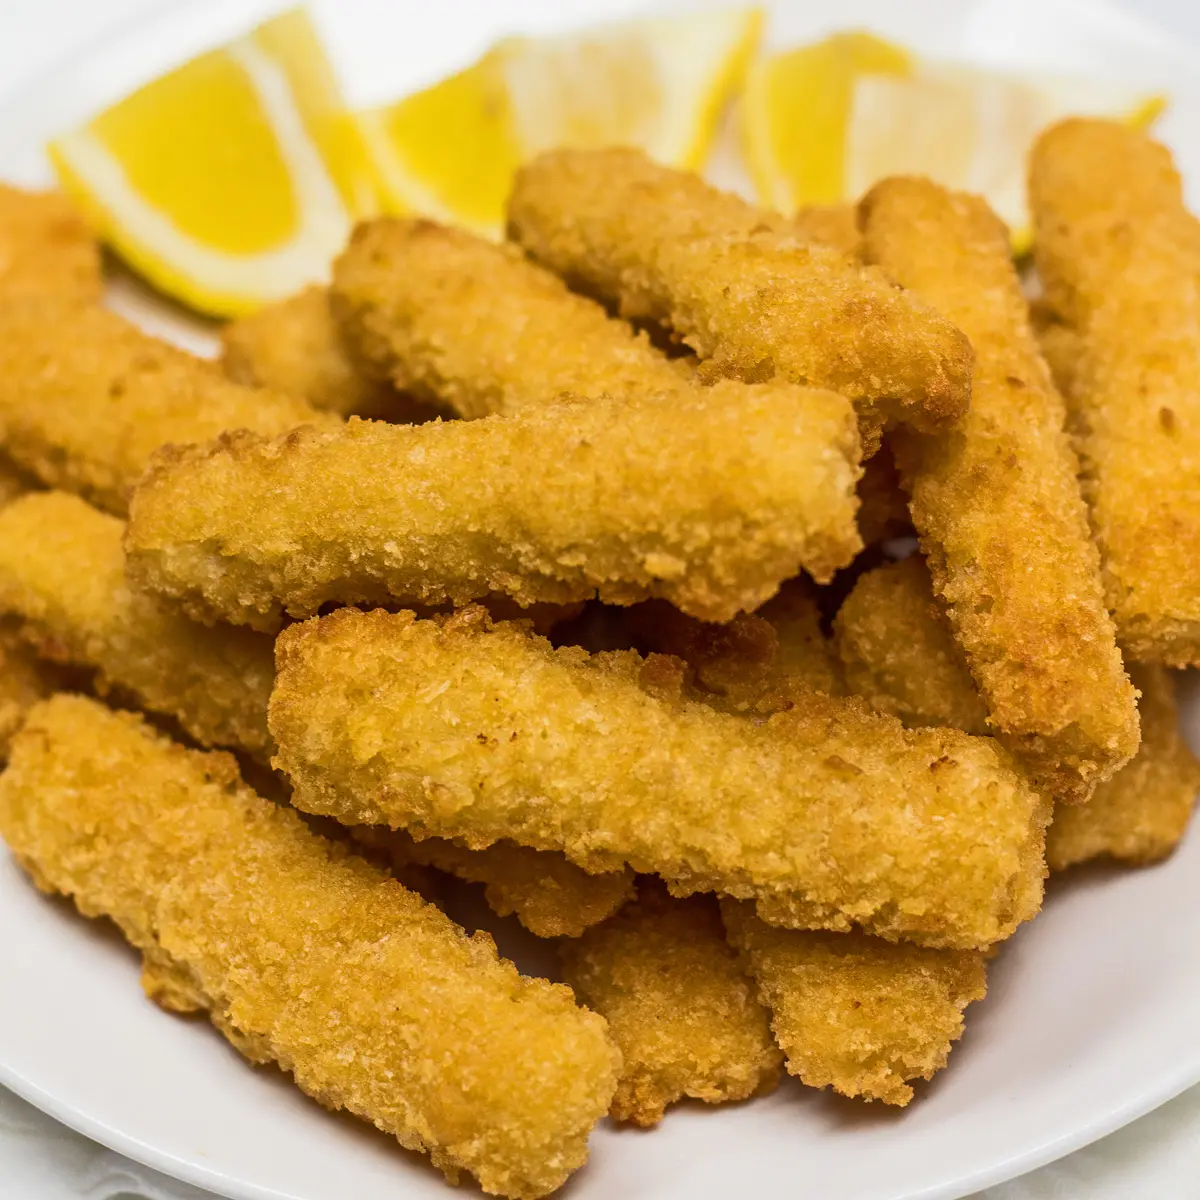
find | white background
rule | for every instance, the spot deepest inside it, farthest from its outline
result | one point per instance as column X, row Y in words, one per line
column 1158, row 1158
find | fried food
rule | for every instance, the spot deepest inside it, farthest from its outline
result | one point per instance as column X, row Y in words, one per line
column 62, row 573
column 709, row 499
column 804, row 651
column 997, row 505
column 1119, row 255
column 550, row 896
column 86, row 398
column 24, row 680
column 753, row 298
column 834, row 224
column 882, row 503
column 851, row 1012
column 898, row 653
column 295, row 346
column 453, row 318
column 677, row 1003
column 459, row 727
column 46, row 249
column 304, row 955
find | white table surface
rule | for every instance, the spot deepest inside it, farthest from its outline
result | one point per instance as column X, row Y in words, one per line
column 1156, row 1158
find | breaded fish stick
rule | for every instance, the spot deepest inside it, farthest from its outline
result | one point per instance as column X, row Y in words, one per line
column 86, row 398
column 677, row 1003
column 898, row 653
column 1119, row 256
column 708, row 499
column 295, row 346
column 550, row 896
column 458, row 727
column 753, row 298
column 62, row 572
column 304, row 955
column 453, row 318
column 46, row 249
column 24, row 680
column 997, row 505
column 851, row 1012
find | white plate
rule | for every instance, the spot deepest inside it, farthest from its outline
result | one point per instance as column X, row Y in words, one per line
column 1091, row 1020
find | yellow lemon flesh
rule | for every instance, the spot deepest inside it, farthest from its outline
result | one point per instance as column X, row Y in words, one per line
column 972, row 129
column 795, row 111
column 231, row 181
column 656, row 83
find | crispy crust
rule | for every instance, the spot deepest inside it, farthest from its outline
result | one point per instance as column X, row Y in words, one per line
column 304, row 955
column 458, row 727
column 86, row 399
column 62, row 573
column 997, row 505
column 739, row 286
column 1119, row 255
column 677, row 1003
column 708, row 499
column 854, row 1013
column 46, row 249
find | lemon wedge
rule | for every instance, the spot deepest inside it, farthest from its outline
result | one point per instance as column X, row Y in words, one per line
column 795, row 111
column 971, row 129
column 233, row 180
column 658, row 83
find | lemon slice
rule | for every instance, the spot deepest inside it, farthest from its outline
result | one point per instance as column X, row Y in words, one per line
column 971, row 129
column 795, row 111
column 232, row 181
column 658, row 83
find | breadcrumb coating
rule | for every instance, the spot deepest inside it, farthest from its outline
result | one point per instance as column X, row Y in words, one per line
column 86, row 398
column 750, row 295
column 459, row 727
column 804, row 650
column 295, row 346
column 24, row 680
column 707, row 499
column 997, row 505
column 46, row 249
column 550, row 896
column 834, row 224
column 882, row 502
column 454, row 318
column 898, row 654
column 851, row 1012
column 304, row 955
column 677, row 1003
column 1119, row 257
column 62, row 573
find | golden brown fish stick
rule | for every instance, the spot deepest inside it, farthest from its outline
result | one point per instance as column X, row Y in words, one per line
column 458, row 727
column 457, row 319
column 304, row 955
column 851, row 1012
column 550, row 896
column 898, row 653
column 46, row 249
column 62, row 572
column 753, row 298
column 1119, row 256
column 295, row 346
column 86, row 398
column 997, row 505
column 677, row 1003
column 708, row 499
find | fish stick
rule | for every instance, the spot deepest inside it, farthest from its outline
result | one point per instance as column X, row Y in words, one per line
column 304, row 955
column 460, row 727
column 854, row 1013
column 62, row 573
column 677, row 1003
column 996, row 503
column 86, row 398
column 708, row 500
column 453, row 318
column 754, row 299
column 550, row 896
column 46, row 249
column 833, row 224
column 295, row 346
column 898, row 653
column 1119, row 257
